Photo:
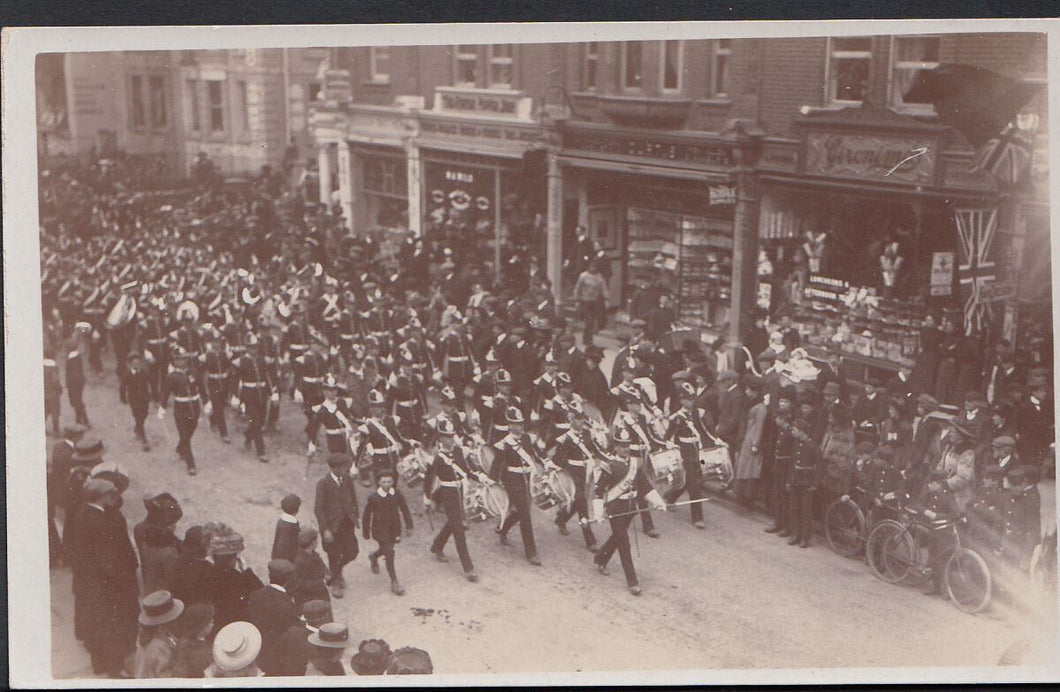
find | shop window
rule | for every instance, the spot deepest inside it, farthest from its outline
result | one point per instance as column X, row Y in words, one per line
column 721, row 52
column 910, row 55
column 466, row 66
column 848, row 69
column 632, row 65
column 215, row 103
column 156, row 89
column 671, row 65
column 137, row 112
column 379, row 60
column 386, row 176
column 191, row 90
column 501, row 65
column 592, row 61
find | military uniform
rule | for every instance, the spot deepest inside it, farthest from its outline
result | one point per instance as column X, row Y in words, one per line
column 217, row 369
column 457, row 364
column 406, row 401
column 1021, row 513
column 338, row 423
column 153, row 337
column 574, row 453
column 513, row 462
column 686, row 428
column 806, row 470
column 255, row 391
column 442, row 483
column 188, row 391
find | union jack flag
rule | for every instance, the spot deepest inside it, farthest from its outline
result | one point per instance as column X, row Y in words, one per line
column 1006, row 156
column 975, row 235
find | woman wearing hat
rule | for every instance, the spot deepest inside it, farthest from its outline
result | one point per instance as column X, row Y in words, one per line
column 235, row 651
column 372, row 657
column 958, row 463
column 326, row 647
column 157, row 642
column 748, row 467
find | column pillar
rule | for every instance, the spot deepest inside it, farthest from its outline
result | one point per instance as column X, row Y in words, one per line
column 346, row 183
column 415, row 188
column 324, row 174
column 745, row 243
column 554, row 251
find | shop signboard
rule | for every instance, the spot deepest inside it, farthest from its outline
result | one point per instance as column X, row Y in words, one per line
column 870, row 157
column 459, row 192
column 942, row 273
column 722, row 195
column 647, row 147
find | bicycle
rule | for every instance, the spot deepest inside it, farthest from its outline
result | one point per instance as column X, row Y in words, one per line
column 847, row 525
column 898, row 551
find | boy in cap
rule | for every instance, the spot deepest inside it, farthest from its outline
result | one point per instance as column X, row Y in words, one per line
column 1021, row 510
column 383, row 513
column 310, row 573
column 285, row 540
column 136, row 391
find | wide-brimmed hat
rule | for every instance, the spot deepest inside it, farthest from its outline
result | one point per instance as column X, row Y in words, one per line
column 159, row 607
column 372, row 657
column 331, row 635
column 88, row 450
column 236, row 646
column 226, row 544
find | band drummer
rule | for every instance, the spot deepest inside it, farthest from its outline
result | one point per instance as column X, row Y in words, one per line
column 442, row 486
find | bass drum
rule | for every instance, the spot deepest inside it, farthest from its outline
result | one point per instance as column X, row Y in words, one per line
column 552, row 489
column 479, row 457
column 666, row 471
column 483, row 501
column 413, row 466
column 716, row 463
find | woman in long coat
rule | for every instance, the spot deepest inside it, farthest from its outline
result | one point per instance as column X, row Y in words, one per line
column 749, row 457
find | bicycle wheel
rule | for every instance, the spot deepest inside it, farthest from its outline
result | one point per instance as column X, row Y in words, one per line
column 916, row 557
column 968, row 580
column 844, row 527
column 888, row 537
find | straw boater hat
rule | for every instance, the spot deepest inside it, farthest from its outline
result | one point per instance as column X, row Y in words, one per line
column 236, row 646
column 159, row 608
column 88, row 450
column 331, row 635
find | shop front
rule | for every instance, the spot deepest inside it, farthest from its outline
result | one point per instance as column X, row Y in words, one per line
column 660, row 208
column 868, row 226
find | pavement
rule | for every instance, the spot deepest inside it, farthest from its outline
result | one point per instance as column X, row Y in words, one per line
column 728, row 597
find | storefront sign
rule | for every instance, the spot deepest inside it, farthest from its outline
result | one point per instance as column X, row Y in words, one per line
column 454, row 128
column 942, row 273
column 722, row 195
column 874, row 157
column 826, row 288
column 706, row 154
column 507, row 103
column 392, row 124
column 459, row 192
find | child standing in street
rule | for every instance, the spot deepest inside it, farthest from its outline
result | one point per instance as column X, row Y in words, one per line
column 383, row 513
column 285, row 542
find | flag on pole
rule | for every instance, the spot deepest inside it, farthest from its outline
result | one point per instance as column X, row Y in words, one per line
column 975, row 235
column 1006, row 156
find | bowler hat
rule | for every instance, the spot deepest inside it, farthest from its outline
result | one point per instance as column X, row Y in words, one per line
column 95, row 488
column 371, row 658
column 727, row 376
column 331, row 635
column 236, row 646
column 88, row 450
column 594, row 352
column 316, row 612
column 159, row 607
column 162, row 508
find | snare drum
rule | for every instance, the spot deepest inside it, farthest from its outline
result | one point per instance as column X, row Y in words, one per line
column 716, row 463
column 665, row 470
column 413, row 466
column 554, row 489
column 482, row 501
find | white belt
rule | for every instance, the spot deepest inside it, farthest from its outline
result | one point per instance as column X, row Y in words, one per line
column 312, row 380
column 155, row 342
column 253, row 384
column 457, row 359
column 449, row 484
column 408, row 402
column 516, row 469
column 300, row 347
column 573, row 462
column 336, row 431
column 185, row 399
column 688, row 440
column 217, row 376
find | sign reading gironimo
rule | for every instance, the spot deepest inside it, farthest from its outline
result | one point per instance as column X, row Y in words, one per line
column 872, row 157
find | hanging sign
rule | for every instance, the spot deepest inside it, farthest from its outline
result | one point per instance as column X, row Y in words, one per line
column 941, row 273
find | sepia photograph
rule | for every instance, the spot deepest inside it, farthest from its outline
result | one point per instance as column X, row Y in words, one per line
column 717, row 348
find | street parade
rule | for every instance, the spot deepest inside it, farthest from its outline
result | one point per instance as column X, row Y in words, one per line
column 325, row 423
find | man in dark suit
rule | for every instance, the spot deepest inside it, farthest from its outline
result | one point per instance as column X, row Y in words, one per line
column 592, row 385
column 569, row 359
column 104, row 564
column 872, row 405
column 1001, row 378
column 832, row 371
column 290, row 654
column 731, row 404
column 271, row 608
column 1035, row 421
column 336, row 512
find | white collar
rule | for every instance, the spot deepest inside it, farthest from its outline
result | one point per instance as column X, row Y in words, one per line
column 902, row 377
column 289, row 518
column 970, row 415
column 870, row 397
column 278, row 588
column 335, row 477
column 1008, row 371
column 1004, row 460
column 381, row 493
column 72, row 444
column 99, row 507
column 1036, row 401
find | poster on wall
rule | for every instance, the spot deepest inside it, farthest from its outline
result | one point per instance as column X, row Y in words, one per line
column 942, row 273
column 461, row 194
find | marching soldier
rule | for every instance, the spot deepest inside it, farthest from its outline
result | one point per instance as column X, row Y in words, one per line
column 217, row 369
column 575, row 452
column 442, row 484
column 418, row 350
column 406, row 398
column 687, row 430
column 187, row 335
column 53, row 390
column 93, row 313
column 381, row 444
column 334, row 415
column 255, row 392
column 269, row 347
column 328, row 310
column 188, row 391
column 153, row 333
column 75, row 370
column 621, row 484
column 514, row 462
column 295, row 340
column 544, row 387
column 492, row 414
column 309, row 371
column 457, row 362
column 450, row 412
column 556, row 411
